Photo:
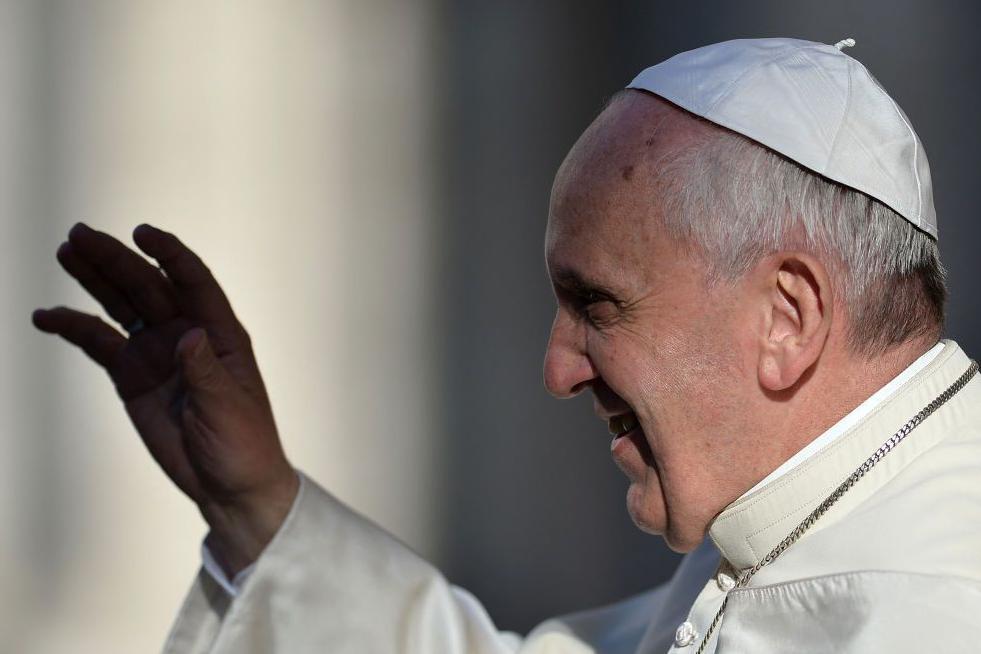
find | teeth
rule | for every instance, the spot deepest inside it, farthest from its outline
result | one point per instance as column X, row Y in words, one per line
column 620, row 425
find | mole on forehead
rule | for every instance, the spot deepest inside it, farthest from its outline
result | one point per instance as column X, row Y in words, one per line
column 645, row 128
column 634, row 164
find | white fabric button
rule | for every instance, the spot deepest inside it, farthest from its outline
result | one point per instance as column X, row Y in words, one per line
column 725, row 582
column 685, row 635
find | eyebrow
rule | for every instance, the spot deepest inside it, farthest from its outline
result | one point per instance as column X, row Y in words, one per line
column 574, row 282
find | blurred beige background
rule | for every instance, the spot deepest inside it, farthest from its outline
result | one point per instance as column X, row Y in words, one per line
column 247, row 129
column 369, row 181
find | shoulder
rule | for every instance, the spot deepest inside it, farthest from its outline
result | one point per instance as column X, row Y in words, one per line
column 856, row 612
column 924, row 519
column 927, row 519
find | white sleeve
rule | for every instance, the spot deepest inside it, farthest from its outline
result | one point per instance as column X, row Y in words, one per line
column 210, row 565
column 330, row 580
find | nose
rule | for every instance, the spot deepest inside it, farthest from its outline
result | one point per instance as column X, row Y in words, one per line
column 568, row 369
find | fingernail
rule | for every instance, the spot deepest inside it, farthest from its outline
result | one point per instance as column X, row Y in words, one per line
column 196, row 338
column 146, row 227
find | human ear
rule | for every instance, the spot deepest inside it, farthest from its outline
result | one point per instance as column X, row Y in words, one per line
column 798, row 310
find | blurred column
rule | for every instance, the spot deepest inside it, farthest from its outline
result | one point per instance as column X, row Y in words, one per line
column 21, row 422
column 288, row 144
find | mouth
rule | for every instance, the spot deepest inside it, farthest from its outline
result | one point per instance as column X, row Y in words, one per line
column 622, row 424
column 628, row 435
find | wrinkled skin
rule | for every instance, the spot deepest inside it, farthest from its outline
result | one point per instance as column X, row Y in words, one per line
column 726, row 380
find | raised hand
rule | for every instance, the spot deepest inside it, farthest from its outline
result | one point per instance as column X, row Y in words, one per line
column 188, row 380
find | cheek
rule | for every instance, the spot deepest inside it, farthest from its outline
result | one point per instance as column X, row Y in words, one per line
column 694, row 412
column 622, row 361
column 668, row 382
column 699, row 361
column 684, row 403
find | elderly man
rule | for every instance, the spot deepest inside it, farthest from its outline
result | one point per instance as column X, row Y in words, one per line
column 742, row 246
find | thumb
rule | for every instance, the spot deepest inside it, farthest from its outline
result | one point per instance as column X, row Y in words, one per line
column 202, row 370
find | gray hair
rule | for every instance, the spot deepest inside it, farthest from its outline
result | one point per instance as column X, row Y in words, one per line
column 737, row 201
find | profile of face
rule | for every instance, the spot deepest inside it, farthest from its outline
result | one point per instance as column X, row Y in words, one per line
column 664, row 353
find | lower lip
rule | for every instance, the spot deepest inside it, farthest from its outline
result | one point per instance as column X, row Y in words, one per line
column 622, row 441
column 633, row 439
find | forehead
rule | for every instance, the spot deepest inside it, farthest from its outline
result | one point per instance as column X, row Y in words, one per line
column 605, row 203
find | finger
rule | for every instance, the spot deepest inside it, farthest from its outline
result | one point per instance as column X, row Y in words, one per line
column 98, row 340
column 148, row 291
column 112, row 300
column 203, row 300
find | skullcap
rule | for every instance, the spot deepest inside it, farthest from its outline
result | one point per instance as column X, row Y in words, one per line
column 812, row 103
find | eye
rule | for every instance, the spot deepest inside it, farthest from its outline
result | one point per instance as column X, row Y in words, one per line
column 597, row 308
column 601, row 311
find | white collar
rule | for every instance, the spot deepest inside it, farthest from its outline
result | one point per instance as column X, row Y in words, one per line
column 746, row 530
column 857, row 414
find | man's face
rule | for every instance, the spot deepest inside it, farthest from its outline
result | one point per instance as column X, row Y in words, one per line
column 638, row 325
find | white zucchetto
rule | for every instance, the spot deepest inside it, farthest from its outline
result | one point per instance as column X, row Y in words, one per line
column 812, row 103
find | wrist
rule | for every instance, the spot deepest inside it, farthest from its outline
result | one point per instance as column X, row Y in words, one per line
column 242, row 528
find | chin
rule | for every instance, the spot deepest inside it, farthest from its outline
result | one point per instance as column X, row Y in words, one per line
column 681, row 545
column 649, row 513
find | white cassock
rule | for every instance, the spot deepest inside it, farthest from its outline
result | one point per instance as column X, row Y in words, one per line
column 894, row 566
